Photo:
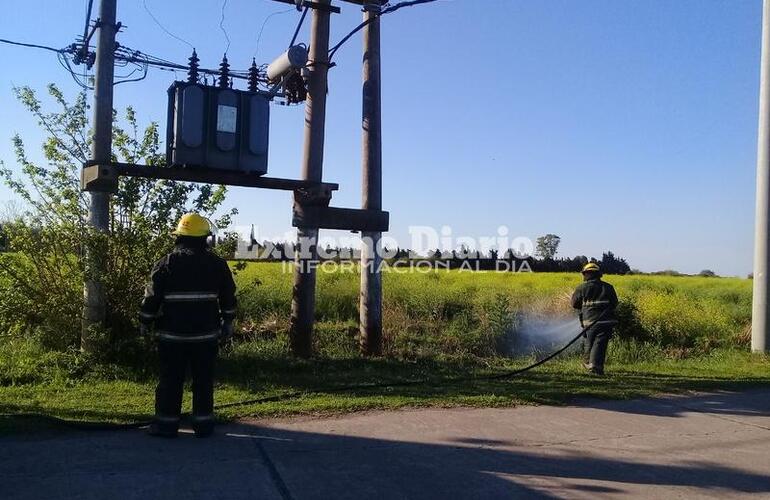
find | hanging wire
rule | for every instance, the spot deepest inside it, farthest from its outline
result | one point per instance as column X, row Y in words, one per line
column 144, row 75
column 264, row 23
column 125, row 56
column 64, row 62
column 135, row 56
column 89, row 9
column 299, row 26
column 31, row 45
column 222, row 26
column 146, row 8
column 387, row 10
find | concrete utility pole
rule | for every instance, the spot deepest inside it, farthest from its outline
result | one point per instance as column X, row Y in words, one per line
column 760, row 328
column 371, row 278
column 94, row 301
column 306, row 254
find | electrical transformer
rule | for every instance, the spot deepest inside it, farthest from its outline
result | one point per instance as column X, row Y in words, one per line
column 217, row 128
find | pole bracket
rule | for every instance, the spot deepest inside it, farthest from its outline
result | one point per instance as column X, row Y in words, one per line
column 313, row 196
column 347, row 219
column 97, row 176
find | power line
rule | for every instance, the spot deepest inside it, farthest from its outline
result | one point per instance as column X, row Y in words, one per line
column 89, row 9
column 144, row 2
column 32, row 45
column 387, row 10
column 137, row 57
column 65, row 63
column 61, row 56
column 299, row 26
column 222, row 26
column 264, row 23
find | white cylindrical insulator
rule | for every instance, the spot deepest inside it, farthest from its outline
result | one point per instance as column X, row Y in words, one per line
column 294, row 58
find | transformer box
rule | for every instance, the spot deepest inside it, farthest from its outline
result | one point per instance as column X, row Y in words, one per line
column 217, row 128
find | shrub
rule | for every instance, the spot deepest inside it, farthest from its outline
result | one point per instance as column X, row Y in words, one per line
column 674, row 320
column 42, row 282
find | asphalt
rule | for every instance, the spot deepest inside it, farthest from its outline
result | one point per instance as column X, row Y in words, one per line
column 695, row 446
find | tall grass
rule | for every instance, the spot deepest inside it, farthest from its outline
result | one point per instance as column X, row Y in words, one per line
column 467, row 314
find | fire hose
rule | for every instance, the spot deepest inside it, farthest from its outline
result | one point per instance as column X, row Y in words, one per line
column 102, row 426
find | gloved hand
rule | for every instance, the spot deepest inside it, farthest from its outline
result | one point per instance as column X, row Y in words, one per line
column 227, row 331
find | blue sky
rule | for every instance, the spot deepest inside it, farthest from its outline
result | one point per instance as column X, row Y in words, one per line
column 623, row 125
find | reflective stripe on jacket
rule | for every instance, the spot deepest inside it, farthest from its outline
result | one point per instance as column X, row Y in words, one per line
column 592, row 298
column 190, row 292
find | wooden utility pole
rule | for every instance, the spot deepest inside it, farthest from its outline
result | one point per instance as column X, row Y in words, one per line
column 370, row 309
column 306, row 253
column 760, row 325
column 94, row 300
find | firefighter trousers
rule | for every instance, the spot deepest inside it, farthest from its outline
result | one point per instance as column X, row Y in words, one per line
column 175, row 357
column 595, row 346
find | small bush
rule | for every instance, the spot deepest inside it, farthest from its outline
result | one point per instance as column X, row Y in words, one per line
column 674, row 320
column 25, row 360
column 629, row 324
column 41, row 284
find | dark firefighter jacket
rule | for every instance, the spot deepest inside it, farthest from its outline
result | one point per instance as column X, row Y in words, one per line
column 593, row 297
column 190, row 292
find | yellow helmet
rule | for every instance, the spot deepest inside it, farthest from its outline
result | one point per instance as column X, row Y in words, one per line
column 194, row 225
column 591, row 267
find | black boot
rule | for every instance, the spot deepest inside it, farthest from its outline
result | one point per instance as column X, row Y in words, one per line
column 159, row 430
column 203, row 426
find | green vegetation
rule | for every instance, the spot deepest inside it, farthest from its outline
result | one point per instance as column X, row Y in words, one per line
column 249, row 372
column 53, row 247
column 676, row 334
column 463, row 314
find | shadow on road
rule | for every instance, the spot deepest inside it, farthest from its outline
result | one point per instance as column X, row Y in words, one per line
column 746, row 403
column 251, row 461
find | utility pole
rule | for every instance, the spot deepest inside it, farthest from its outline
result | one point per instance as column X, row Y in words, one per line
column 94, row 300
column 370, row 309
column 306, row 253
column 760, row 328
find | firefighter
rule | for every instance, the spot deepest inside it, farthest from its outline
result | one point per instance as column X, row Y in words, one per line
column 190, row 301
column 596, row 300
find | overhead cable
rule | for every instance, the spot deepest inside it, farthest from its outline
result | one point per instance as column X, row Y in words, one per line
column 387, row 10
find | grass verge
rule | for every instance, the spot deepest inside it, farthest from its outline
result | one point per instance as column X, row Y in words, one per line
column 119, row 400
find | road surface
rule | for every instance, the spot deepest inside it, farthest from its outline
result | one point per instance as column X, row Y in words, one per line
column 695, row 446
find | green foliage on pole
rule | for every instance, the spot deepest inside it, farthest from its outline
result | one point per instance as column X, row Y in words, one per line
column 42, row 279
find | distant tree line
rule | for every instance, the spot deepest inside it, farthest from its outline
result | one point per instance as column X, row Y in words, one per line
column 462, row 258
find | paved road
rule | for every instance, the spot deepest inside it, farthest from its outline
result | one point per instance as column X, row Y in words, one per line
column 704, row 445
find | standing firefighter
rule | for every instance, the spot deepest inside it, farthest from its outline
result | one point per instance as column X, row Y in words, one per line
column 191, row 301
column 596, row 301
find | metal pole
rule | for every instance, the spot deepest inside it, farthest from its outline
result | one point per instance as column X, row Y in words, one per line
column 306, row 253
column 94, row 301
column 370, row 309
column 760, row 332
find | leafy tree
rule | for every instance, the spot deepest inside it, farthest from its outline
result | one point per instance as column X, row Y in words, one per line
column 43, row 280
column 547, row 246
column 707, row 273
column 614, row 265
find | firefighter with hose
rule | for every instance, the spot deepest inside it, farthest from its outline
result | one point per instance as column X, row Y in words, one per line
column 596, row 300
column 190, row 301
